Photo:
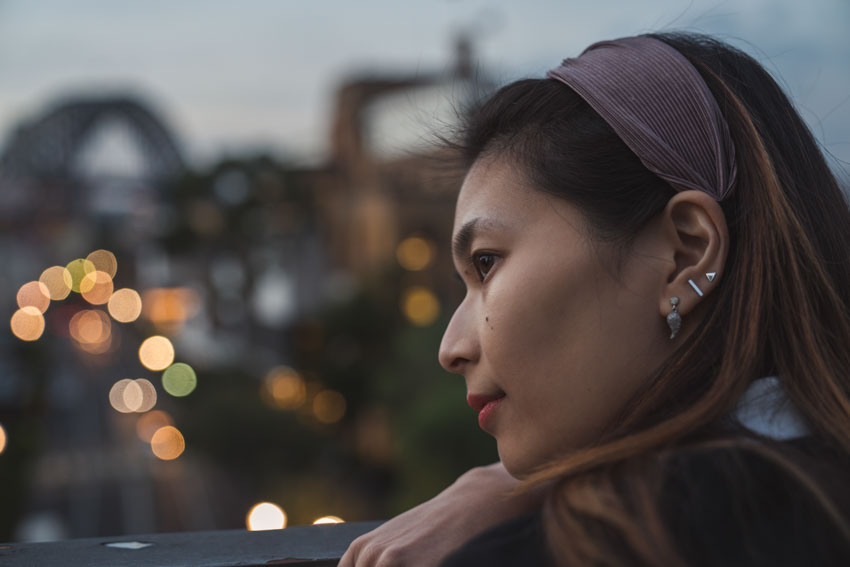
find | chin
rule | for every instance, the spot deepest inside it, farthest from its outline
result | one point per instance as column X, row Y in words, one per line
column 520, row 463
column 518, row 466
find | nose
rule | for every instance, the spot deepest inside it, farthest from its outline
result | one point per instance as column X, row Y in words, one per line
column 459, row 347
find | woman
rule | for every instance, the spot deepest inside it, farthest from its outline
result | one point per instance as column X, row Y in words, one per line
column 655, row 328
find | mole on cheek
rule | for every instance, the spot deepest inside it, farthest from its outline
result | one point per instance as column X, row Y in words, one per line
column 487, row 319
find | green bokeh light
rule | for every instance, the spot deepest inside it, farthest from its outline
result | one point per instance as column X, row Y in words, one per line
column 78, row 269
column 179, row 379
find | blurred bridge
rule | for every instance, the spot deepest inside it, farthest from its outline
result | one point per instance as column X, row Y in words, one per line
column 50, row 145
column 63, row 163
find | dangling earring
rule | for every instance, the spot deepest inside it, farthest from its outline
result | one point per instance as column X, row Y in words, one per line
column 673, row 318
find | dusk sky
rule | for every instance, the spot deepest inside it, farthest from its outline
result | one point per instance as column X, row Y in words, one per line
column 232, row 77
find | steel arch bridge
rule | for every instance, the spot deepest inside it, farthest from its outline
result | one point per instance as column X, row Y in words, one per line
column 49, row 146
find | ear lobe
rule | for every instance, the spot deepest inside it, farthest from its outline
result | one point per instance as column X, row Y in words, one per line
column 697, row 239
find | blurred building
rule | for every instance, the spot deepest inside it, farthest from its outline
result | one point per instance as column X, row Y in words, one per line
column 388, row 177
column 227, row 261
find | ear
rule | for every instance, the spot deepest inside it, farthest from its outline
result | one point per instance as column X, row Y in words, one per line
column 696, row 241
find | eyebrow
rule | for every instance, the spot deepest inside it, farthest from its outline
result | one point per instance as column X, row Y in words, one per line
column 464, row 237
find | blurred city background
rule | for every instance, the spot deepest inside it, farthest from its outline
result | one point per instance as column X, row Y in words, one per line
column 224, row 235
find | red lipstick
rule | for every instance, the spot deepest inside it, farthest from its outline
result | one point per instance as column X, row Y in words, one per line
column 485, row 405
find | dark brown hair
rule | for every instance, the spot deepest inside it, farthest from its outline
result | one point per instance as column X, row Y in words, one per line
column 780, row 309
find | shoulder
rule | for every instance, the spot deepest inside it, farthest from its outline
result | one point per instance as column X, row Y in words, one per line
column 519, row 541
column 765, row 503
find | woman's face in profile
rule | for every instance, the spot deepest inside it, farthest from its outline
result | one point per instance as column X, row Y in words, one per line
column 550, row 340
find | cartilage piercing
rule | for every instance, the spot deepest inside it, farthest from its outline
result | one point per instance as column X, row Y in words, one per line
column 696, row 289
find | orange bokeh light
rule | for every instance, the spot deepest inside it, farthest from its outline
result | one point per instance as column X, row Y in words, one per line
column 168, row 308
column 156, row 353
column 34, row 294
column 125, row 305
column 329, row 406
column 420, row 306
column 27, row 323
column 167, row 443
column 58, row 281
column 90, row 326
column 150, row 422
column 96, row 287
column 328, row 520
column 284, row 388
column 266, row 516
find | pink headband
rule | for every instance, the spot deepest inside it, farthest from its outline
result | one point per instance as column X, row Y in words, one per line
column 660, row 106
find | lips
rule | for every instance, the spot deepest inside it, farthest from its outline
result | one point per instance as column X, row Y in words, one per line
column 486, row 406
column 478, row 401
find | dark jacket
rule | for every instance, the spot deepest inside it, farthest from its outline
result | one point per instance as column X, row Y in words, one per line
column 723, row 506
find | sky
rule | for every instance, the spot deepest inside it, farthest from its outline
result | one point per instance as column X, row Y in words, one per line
column 260, row 75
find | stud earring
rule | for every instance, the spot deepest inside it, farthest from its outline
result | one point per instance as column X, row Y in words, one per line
column 710, row 276
column 674, row 320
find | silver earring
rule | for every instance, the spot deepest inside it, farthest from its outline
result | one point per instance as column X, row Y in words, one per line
column 710, row 276
column 696, row 289
column 673, row 318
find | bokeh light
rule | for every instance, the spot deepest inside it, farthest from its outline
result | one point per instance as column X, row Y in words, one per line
column 96, row 287
column 138, row 396
column 167, row 443
column 328, row 520
column 116, row 396
column 87, row 326
column 156, row 353
column 150, row 422
column 169, row 308
column 133, row 396
column 96, row 348
column 329, row 406
column 92, row 330
column 34, row 294
column 27, row 323
column 58, row 281
column 78, row 269
column 104, row 261
column 125, row 305
column 285, row 388
column 179, row 379
column 266, row 516
column 2, row 439
column 148, row 395
column 420, row 306
column 415, row 253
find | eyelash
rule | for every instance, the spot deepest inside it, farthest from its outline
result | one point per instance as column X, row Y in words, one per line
column 474, row 262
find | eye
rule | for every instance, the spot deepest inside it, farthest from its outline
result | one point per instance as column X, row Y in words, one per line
column 483, row 262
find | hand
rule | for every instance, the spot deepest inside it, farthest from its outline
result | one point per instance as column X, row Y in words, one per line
column 423, row 536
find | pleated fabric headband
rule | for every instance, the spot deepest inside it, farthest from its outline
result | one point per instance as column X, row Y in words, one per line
column 660, row 106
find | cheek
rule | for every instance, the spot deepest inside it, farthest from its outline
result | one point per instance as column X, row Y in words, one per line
column 536, row 322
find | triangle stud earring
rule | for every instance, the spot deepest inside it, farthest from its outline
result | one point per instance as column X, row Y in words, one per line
column 710, row 276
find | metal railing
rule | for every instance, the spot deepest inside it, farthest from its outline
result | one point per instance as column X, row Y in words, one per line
column 316, row 546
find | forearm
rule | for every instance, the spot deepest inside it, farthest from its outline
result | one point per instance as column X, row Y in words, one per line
column 479, row 499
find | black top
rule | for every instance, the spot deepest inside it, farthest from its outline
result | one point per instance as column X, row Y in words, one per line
column 722, row 506
column 519, row 541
